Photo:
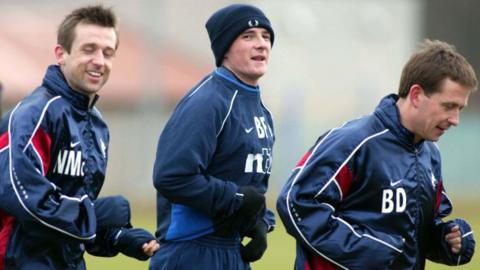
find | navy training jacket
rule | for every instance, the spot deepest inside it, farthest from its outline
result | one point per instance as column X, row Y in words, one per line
column 53, row 156
column 219, row 137
column 366, row 197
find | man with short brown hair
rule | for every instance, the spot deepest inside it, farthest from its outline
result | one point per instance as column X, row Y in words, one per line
column 370, row 194
column 53, row 157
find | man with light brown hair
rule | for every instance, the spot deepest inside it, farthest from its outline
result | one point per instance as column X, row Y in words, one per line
column 370, row 194
column 53, row 159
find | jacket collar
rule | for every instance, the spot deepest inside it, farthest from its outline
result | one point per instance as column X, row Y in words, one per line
column 55, row 82
column 389, row 114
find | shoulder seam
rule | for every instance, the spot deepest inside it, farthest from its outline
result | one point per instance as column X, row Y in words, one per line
column 200, row 86
column 228, row 113
column 345, row 162
column 39, row 121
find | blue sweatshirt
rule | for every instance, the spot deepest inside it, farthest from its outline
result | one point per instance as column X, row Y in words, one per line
column 219, row 138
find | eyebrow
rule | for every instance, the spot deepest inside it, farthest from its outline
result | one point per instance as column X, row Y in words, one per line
column 248, row 31
column 460, row 105
column 96, row 45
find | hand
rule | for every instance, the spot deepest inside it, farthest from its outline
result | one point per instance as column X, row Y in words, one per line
column 458, row 243
column 454, row 239
column 150, row 247
column 254, row 250
column 135, row 242
column 253, row 201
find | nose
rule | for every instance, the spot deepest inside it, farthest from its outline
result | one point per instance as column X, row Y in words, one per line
column 454, row 119
column 98, row 58
column 262, row 42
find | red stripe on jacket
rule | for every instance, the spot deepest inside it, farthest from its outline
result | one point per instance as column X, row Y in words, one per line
column 319, row 263
column 344, row 179
column 6, row 224
column 41, row 142
column 438, row 198
column 3, row 140
column 302, row 161
column 315, row 262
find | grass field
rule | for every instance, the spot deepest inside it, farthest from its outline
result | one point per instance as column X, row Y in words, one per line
column 281, row 247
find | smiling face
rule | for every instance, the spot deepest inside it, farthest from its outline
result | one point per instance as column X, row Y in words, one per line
column 87, row 66
column 248, row 56
column 436, row 113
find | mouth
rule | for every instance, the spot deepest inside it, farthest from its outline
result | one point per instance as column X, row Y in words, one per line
column 95, row 74
column 442, row 130
column 259, row 58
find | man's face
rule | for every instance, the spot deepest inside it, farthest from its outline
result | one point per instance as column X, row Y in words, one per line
column 248, row 56
column 87, row 66
column 441, row 110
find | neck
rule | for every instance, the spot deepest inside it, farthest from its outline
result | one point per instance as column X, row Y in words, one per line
column 91, row 96
column 253, row 82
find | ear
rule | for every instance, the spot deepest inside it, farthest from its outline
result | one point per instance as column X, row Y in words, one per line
column 60, row 54
column 415, row 94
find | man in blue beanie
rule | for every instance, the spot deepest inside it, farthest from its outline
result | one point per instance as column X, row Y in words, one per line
column 214, row 156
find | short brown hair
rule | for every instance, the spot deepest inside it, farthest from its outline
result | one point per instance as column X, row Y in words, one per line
column 97, row 15
column 432, row 64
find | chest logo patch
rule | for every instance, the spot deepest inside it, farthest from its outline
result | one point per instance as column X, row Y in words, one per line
column 394, row 200
column 69, row 162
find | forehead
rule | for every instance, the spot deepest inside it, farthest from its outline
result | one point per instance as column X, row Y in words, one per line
column 94, row 34
column 451, row 91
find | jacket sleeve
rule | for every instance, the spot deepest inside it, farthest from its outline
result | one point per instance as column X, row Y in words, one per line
column 27, row 194
column 310, row 208
column 185, row 150
column 439, row 250
column 269, row 219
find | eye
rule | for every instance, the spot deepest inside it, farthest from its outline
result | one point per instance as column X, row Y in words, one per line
column 247, row 36
column 109, row 53
column 449, row 106
column 89, row 49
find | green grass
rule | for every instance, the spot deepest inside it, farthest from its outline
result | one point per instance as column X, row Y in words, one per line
column 281, row 247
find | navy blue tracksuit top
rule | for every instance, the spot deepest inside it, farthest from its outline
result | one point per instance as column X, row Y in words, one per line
column 53, row 157
column 219, row 137
column 367, row 197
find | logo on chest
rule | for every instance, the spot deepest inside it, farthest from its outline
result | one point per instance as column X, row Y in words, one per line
column 394, row 199
column 262, row 128
column 259, row 162
column 69, row 162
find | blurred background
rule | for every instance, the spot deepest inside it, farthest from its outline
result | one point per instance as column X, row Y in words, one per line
column 332, row 60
